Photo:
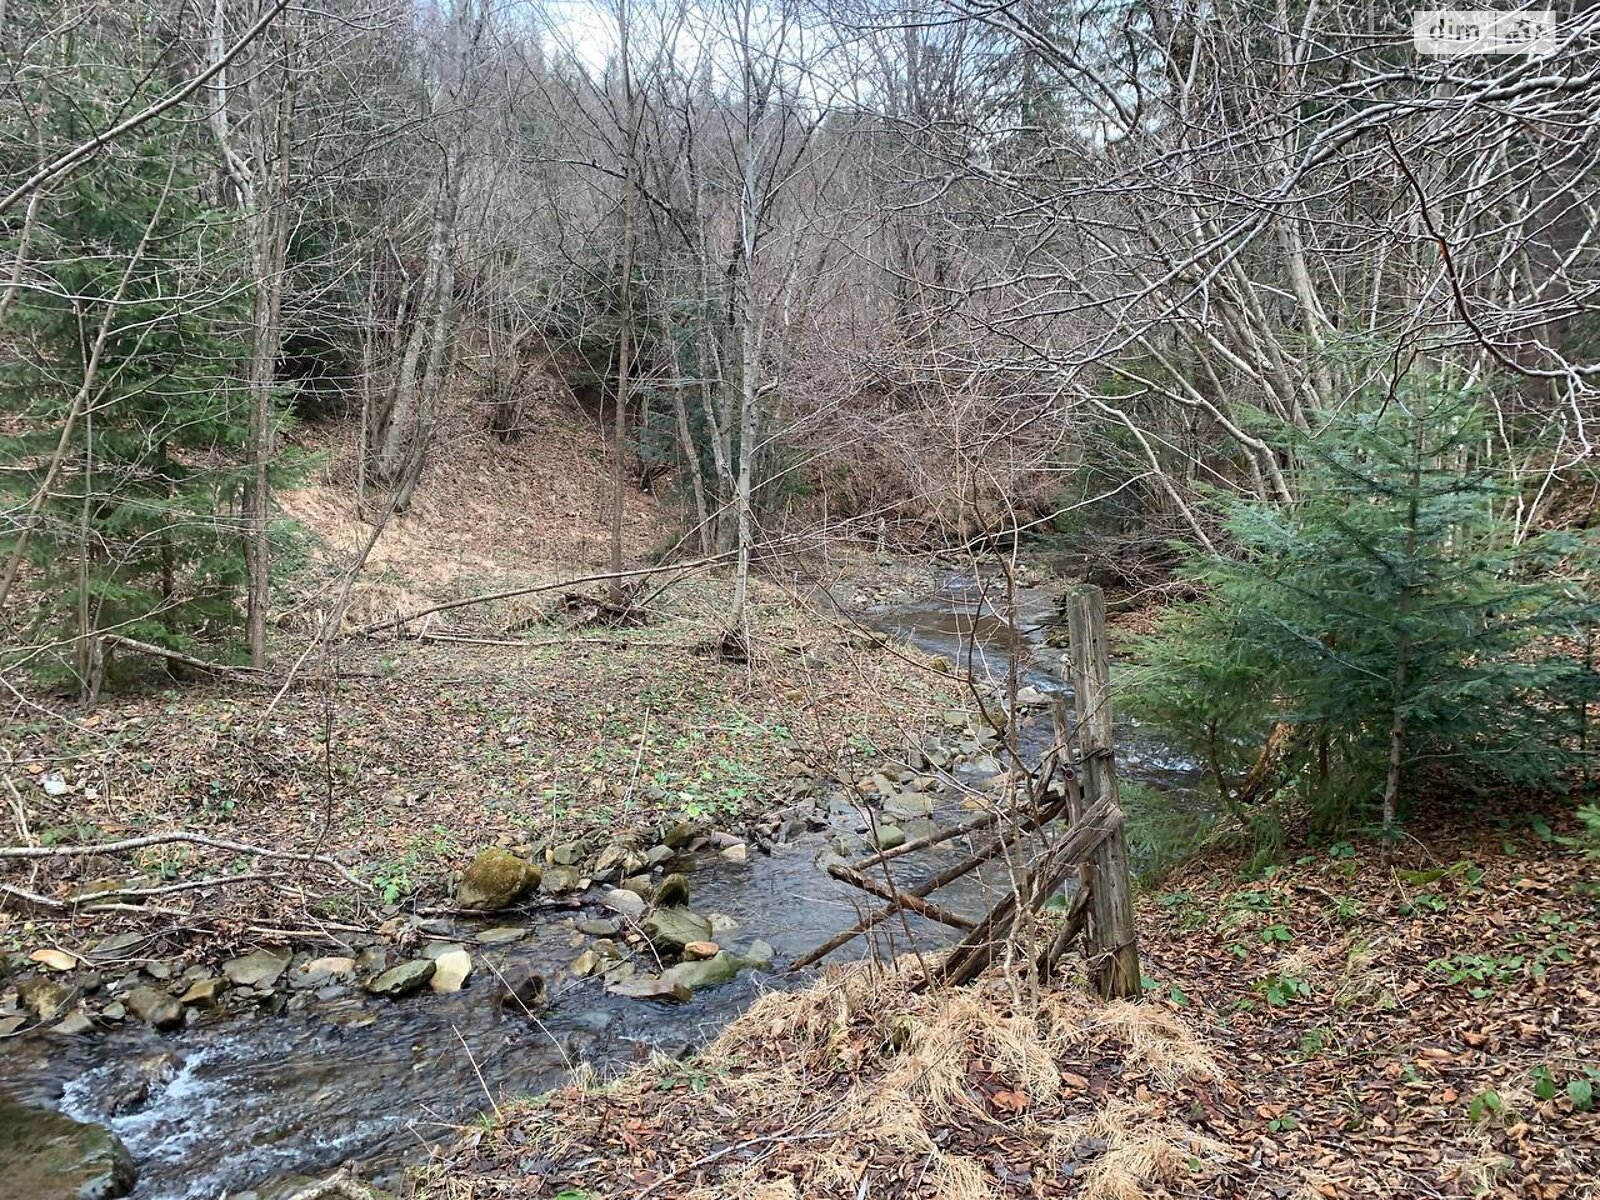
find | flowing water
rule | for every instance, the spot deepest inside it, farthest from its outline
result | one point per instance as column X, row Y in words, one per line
column 247, row 1102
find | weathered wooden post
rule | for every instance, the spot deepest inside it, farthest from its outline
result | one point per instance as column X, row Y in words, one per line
column 1109, row 940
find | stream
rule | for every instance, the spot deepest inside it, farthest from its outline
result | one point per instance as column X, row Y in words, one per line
column 254, row 1104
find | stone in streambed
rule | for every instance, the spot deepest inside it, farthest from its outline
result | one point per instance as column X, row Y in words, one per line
column 44, row 997
column 522, row 990
column 625, row 903
column 679, row 835
column 597, row 926
column 403, row 980
column 657, row 855
column 695, row 974
column 736, row 853
column 259, row 968
column 673, row 892
column 559, row 880
column 649, row 987
column 47, row 1156
column 74, row 1024
column 204, row 993
column 450, row 970
column 701, row 950
column 612, row 862
column 759, row 956
column 908, row 806
column 567, row 854
column 154, row 1007
column 497, row 878
column 499, row 935
column 675, row 928
column 887, row 836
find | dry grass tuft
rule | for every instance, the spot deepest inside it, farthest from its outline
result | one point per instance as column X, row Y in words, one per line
column 861, row 1082
column 1157, row 1042
column 1141, row 1151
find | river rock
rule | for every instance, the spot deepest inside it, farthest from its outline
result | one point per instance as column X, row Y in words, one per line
column 650, row 987
column 680, row 834
column 499, row 935
column 695, row 974
column 154, row 1007
column 887, row 836
column 450, row 971
column 259, row 968
column 701, row 950
column 1031, row 697
column 558, row 880
column 908, row 806
column 401, row 981
column 129, row 1087
column 497, row 878
column 565, row 855
column 657, row 855
column 672, row 892
column 74, row 1024
column 334, row 966
column 611, row 862
column 597, row 926
column 736, row 853
column 759, row 955
column 47, row 1156
column 44, row 997
column 675, row 928
column 204, row 993
column 522, row 990
column 628, row 904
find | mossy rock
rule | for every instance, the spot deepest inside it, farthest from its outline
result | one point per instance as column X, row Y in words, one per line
column 674, row 928
column 47, row 1156
column 695, row 974
column 497, row 878
column 672, row 892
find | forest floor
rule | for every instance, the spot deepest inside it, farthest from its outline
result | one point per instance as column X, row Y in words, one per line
column 402, row 758
column 1334, row 1028
column 520, row 722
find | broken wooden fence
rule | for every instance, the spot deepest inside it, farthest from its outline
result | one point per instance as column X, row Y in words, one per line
column 1094, row 844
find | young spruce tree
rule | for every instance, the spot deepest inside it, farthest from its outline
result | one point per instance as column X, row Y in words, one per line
column 1381, row 634
column 127, row 356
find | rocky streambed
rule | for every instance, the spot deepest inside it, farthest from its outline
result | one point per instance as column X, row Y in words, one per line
column 252, row 1077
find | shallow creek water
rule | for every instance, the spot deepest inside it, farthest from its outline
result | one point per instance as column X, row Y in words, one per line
column 252, row 1102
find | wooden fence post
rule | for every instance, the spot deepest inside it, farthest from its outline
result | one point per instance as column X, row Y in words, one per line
column 1109, row 940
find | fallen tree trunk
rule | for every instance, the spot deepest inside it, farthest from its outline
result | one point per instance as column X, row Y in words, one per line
column 532, row 590
column 246, row 673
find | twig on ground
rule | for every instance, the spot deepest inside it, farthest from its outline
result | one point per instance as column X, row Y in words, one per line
column 194, row 839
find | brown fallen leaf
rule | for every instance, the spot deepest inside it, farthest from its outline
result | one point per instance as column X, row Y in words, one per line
column 1010, row 1101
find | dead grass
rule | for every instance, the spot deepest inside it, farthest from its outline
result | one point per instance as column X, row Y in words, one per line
column 859, row 1086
